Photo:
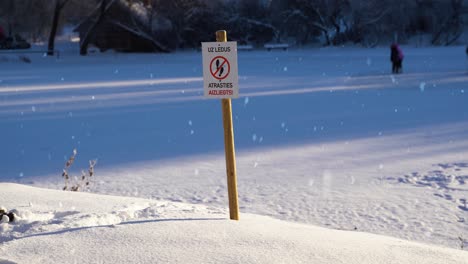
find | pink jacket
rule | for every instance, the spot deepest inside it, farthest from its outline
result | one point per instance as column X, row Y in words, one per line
column 400, row 53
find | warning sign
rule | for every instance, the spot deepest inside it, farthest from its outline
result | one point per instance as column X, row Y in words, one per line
column 220, row 74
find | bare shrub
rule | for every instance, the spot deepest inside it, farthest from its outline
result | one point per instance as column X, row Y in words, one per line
column 84, row 181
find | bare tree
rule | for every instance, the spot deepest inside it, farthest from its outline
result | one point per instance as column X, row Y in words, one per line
column 13, row 11
column 187, row 21
column 366, row 22
column 104, row 7
column 322, row 17
column 184, row 23
column 59, row 5
column 451, row 26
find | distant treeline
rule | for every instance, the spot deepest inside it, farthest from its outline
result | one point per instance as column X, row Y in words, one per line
column 185, row 23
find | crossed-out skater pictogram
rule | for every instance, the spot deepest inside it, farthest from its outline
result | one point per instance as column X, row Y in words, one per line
column 220, row 67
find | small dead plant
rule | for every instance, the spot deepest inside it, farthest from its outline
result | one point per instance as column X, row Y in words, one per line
column 463, row 242
column 78, row 184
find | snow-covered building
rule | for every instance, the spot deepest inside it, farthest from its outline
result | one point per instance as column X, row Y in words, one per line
column 120, row 25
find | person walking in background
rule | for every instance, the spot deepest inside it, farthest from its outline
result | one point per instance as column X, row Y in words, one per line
column 396, row 57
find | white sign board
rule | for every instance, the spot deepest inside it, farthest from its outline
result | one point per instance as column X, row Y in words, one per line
column 220, row 73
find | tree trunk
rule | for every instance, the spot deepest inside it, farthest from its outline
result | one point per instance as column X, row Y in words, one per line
column 327, row 37
column 10, row 29
column 11, row 14
column 92, row 29
column 53, row 30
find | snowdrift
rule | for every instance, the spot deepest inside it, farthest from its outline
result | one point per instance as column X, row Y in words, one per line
column 66, row 227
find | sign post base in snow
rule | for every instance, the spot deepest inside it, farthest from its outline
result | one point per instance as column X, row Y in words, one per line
column 221, row 36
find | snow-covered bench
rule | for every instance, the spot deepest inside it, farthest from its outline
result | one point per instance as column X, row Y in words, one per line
column 282, row 46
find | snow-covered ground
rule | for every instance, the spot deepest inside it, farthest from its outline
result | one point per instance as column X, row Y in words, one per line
column 63, row 227
column 323, row 136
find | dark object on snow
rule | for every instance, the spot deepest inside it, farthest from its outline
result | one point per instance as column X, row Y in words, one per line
column 15, row 42
column 120, row 26
column 24, row 59
column 396, row 57
column 11, row 215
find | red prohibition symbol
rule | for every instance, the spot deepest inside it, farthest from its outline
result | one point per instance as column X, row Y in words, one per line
column 220, row 67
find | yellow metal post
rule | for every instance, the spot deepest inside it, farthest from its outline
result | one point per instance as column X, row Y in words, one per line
column 221, row 36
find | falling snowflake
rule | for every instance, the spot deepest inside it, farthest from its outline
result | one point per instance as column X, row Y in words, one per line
column 353, row 180
column 422, row 86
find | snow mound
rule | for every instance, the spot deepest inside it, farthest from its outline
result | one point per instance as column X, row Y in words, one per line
column 65, row 227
